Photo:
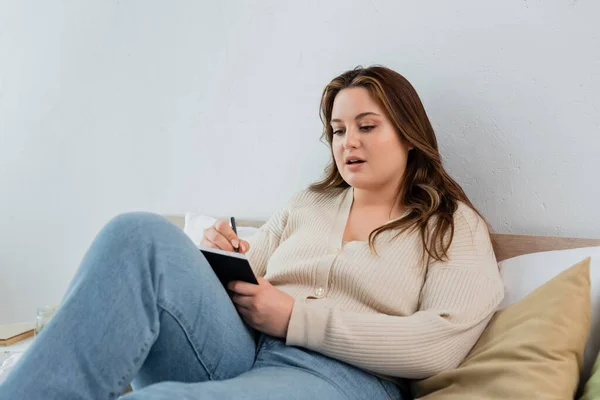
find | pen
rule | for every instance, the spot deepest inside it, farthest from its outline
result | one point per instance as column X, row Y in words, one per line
column 232, row 223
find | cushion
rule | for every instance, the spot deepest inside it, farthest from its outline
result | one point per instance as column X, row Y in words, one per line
column 532, row 349
column 521, row 275
column 195, row 224
column 592, row 386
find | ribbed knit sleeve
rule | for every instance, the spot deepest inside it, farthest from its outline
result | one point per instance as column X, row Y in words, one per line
column 457, row 300
column 264, row 242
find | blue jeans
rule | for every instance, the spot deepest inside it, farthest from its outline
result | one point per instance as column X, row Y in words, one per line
column 145, row 307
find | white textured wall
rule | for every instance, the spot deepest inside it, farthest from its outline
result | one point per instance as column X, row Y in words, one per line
column 110, row 106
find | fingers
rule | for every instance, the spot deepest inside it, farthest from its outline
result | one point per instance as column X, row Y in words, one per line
column 242, row 301
column 219, row 241
column 246, row 315
column 244, row 246
column 263, row 282
column 224, row 229
column 221, row 236
column 207, row 243
column 243, row 288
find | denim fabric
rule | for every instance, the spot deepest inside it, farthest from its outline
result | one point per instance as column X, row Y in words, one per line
column 145, row 307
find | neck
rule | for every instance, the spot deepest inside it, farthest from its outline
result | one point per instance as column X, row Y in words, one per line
column 385, row 197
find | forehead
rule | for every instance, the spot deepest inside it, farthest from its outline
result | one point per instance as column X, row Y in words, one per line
column 350, row 102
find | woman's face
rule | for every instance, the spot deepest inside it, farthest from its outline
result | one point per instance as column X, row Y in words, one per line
column 368, row 152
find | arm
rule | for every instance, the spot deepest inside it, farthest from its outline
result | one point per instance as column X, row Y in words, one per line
column 457, row 301
column 264, row 242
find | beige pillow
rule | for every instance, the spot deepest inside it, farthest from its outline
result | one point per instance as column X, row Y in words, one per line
column 533, row 349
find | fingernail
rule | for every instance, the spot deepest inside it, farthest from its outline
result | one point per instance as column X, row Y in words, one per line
column 243, row 247
column 235, row 243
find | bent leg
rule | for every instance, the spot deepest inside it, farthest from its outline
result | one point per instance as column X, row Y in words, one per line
column 143, row 299
column 273, row 383
column 282, row 373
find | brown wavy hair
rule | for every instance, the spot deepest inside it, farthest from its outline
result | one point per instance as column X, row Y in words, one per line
column 428, row 193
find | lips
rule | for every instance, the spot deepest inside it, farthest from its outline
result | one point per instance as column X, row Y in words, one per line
column 352, row 160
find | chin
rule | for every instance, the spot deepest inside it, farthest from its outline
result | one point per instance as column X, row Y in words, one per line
column 363, row 182
column 358, row 182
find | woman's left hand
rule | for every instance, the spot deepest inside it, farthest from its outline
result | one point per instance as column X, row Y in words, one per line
column 263, row 306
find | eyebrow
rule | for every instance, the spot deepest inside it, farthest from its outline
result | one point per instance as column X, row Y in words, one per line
column 359, row 116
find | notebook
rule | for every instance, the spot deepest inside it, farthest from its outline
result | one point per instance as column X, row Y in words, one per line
column 229, row 266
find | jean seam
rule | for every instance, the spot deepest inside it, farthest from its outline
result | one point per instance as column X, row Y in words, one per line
column 186, row 331
column 259, row 343
column 121, row 382
column 266, row 343
column 388, row 391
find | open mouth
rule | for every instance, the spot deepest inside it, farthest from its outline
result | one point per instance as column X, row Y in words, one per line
column 352, row 162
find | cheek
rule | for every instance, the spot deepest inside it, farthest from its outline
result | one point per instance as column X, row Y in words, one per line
column 338, row 151
column 394, row 153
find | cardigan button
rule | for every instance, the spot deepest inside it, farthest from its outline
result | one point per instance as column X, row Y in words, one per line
column 319, row 292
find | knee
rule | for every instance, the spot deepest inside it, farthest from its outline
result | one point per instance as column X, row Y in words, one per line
column 136, row 226
column 135, row 220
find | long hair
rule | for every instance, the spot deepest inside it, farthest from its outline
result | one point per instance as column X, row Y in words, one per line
column 428, row 193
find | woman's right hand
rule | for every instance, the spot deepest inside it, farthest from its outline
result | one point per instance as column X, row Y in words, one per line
column 221, row 236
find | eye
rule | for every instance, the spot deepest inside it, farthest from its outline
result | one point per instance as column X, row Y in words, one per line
column 338, row 131
column 367, row 128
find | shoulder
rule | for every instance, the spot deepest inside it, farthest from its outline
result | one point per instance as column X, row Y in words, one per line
column 467, row 220
column 471, row 235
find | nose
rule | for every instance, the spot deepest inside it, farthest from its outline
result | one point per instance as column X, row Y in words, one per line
column 351, row 139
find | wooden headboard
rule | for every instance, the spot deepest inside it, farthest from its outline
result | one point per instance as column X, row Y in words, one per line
column 505, row 245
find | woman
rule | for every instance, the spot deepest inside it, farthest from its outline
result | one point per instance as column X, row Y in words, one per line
column 382, row 271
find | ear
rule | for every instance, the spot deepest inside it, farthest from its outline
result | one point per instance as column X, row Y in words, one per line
column 409, row 144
